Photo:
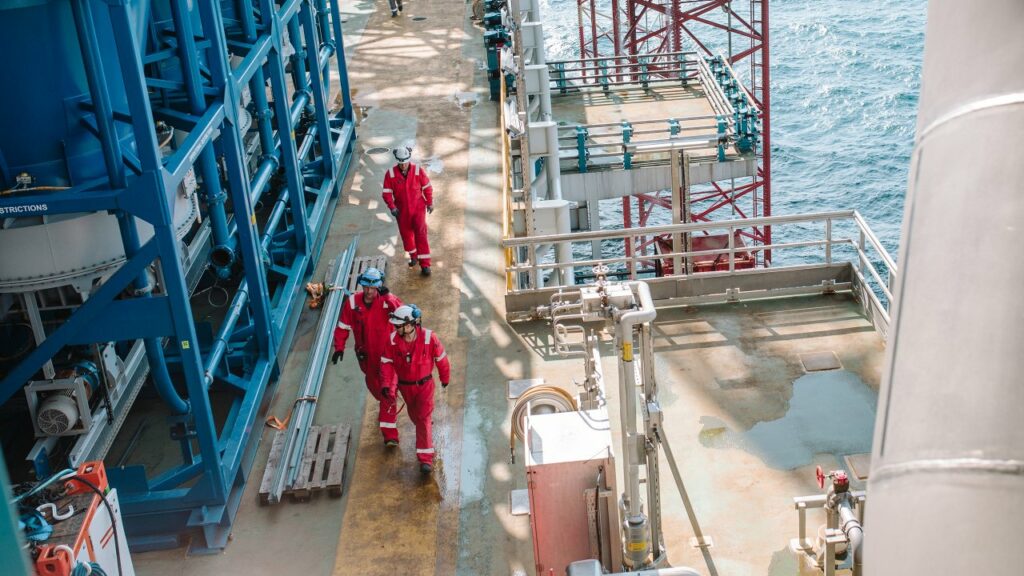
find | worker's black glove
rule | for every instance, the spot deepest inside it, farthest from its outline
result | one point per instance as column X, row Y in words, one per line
column 338, row 355
column 360, row 355
column 394, row 212
column 386, row 393
column 444, row 384
column 430, row 208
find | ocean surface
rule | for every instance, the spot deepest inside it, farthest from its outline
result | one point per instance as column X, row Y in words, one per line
column 844, row 80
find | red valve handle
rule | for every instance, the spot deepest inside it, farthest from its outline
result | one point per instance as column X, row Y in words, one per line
column 820, row 475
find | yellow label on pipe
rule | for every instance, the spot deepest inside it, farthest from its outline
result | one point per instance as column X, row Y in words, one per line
column 636, row 546
column 627, row 351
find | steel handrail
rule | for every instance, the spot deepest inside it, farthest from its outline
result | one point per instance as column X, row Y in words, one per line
column 732, row 226
column 621, row 57
column 679, row 228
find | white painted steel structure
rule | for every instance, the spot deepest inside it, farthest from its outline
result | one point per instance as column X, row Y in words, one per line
column 947, row 475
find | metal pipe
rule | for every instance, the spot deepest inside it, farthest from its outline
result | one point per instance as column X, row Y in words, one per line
column 305, row 403
column 635, row 519
column 222, row 256
column 154, row 347
column 242, row 294
column 854, row 532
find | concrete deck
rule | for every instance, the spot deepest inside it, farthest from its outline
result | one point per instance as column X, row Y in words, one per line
column 727, row 372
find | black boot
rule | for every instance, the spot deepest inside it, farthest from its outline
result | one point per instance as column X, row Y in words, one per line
column 426, row 468
column 412, row 261
column 425, row 271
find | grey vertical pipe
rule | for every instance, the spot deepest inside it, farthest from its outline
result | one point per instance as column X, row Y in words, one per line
column 947, row 479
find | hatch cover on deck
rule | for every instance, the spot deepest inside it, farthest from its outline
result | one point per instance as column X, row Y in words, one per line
column 419, row 18
column 378, row 150
column 818, row 361
column 859, row 465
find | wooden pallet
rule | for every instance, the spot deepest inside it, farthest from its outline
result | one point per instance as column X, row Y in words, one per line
column 360, row 264
column 322, row 467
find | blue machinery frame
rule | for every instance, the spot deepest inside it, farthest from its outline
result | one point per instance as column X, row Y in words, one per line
column 245, row 356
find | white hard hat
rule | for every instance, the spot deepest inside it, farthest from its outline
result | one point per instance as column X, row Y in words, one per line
column 405, row 314
column 402, row 153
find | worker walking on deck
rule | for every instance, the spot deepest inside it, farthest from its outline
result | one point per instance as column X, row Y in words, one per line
column 367, row 316
column 408, row 364
column 409, row 197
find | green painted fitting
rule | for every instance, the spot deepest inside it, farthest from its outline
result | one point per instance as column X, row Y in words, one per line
column 673, row 127
column 627, row 135
column 581, row 148
column 721, row 138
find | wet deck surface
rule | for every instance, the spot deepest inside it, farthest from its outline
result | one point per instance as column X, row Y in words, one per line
column 745, row 421
column 743, row 418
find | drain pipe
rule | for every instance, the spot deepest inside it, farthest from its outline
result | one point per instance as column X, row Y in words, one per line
column 154, row 348
column 635, row 524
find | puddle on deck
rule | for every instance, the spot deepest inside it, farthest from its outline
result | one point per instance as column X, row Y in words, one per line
column 829, row 413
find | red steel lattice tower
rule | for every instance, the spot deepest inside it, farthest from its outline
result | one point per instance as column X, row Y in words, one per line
column 736, row 28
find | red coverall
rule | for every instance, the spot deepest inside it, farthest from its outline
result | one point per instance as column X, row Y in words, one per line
column 371, row 328
column 411, row 193
column 409, row 366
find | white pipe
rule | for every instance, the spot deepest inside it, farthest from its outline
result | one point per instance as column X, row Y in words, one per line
column 626, row 323
column 854, row 533
column 947, row 467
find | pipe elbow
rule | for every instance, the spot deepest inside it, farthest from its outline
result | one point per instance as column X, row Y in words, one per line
column 162, row 379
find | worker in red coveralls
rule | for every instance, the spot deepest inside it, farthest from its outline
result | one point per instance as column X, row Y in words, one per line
column 367, row 316
column 408, row 364
column 410, row 198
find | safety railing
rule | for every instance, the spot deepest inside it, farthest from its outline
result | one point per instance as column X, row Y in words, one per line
column 844, row 238
column 507, row 182
column 642, row 70
column 612, row 145
column 734, row 122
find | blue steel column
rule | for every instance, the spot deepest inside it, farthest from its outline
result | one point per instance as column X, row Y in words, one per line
column 346, row 96
column 285, row 127
column 313, row 55
column 203, row 492
column 93, row 62
column 223, row 254
column 150, row 184
column 238, row 180
column 258, row 90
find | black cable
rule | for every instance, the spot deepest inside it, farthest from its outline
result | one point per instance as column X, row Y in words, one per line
column 110, row 511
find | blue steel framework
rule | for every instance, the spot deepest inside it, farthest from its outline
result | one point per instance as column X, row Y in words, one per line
column 245, row 356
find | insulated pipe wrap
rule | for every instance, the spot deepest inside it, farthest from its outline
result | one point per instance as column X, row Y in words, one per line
column 947, row 477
